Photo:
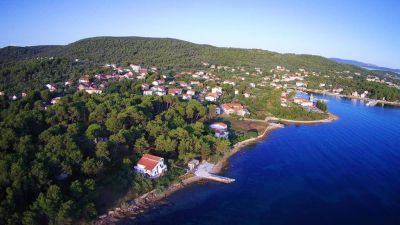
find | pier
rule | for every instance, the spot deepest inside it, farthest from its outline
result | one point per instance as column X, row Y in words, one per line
column 204, row 171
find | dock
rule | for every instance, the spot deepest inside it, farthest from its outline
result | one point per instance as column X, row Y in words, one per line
column 204, row 171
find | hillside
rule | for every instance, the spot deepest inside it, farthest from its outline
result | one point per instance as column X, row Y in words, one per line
column 165, row 52
column 27, row 68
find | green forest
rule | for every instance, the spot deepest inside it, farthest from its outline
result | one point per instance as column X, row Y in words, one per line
column 58, row 163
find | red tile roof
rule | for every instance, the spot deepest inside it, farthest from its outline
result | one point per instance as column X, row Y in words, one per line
column 233, row 106
column 149, row 162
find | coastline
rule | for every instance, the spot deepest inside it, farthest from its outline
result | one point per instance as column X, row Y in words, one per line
column 154, row 197
column 350, row 97
column 239, row 146
column 331, row 118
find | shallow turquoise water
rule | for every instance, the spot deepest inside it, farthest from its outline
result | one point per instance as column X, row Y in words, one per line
column 346, row 172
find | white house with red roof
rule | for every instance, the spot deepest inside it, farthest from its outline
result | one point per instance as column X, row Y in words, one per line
column 234, row 108
column 175, row 91
column 151, row 165
column 212, row 97
column 220, row 129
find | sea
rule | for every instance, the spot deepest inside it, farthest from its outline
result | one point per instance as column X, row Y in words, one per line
column 341, row 173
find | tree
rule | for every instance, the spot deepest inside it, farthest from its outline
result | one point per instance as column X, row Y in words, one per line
column 141, row 145
column 222, row 146
column 212, row 111
column 50, row 203
column 45, row 95
column 322, row 105
column 91, row 166
column 94, row 131
column 165, row 143
column 102, row 151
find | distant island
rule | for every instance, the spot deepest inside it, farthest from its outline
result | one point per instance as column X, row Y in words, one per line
column 367, row 66
column 103, row 127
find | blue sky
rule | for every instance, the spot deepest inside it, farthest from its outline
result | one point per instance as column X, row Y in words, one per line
column 367, row 31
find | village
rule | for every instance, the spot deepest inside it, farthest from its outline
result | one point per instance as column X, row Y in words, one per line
column 231, row 92
column 224, row 87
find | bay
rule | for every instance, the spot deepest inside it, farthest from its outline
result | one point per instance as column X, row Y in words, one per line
column 345, row 172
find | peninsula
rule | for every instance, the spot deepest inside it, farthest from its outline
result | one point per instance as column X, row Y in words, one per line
column 105, row 127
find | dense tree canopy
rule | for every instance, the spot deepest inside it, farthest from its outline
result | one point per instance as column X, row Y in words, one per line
column 53, row 160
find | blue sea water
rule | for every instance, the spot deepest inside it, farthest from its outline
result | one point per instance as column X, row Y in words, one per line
column 346, row 172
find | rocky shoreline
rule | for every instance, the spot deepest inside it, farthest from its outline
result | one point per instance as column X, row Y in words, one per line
column 154, row 197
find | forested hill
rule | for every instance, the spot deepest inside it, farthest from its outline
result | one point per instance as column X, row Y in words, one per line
column 166, row 52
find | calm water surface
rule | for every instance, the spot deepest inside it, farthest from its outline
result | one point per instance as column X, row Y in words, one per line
column 346, row 172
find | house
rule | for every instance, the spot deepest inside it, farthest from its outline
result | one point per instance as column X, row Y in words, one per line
column 160, row 88
column 147, row 92
column 175, row 91
column 153, row 69
column 151, row 165
column 91, row 89
column 24, row 94
column 211, row 97
column 234, row 108
column 217, row 89
column 253, row 85
column 183, row 84
column 69, row 83
column 193, row 163
column 246, row 95
column 145, row 86
column 55, row 100
column 143, row 71
column 135, row 68
column 186, row 97
column 303, row 102
column 158, row 82
column 218, row 110
column 51, row 87
column 229, row 82
column 160, row 93
column 220, row 129
column 219, row 126
column 191, row 92
column 85, row 79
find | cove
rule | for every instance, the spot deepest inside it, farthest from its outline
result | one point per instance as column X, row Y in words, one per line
column 345, row 172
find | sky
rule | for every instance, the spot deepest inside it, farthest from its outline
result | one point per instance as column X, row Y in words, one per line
column 363, row 30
